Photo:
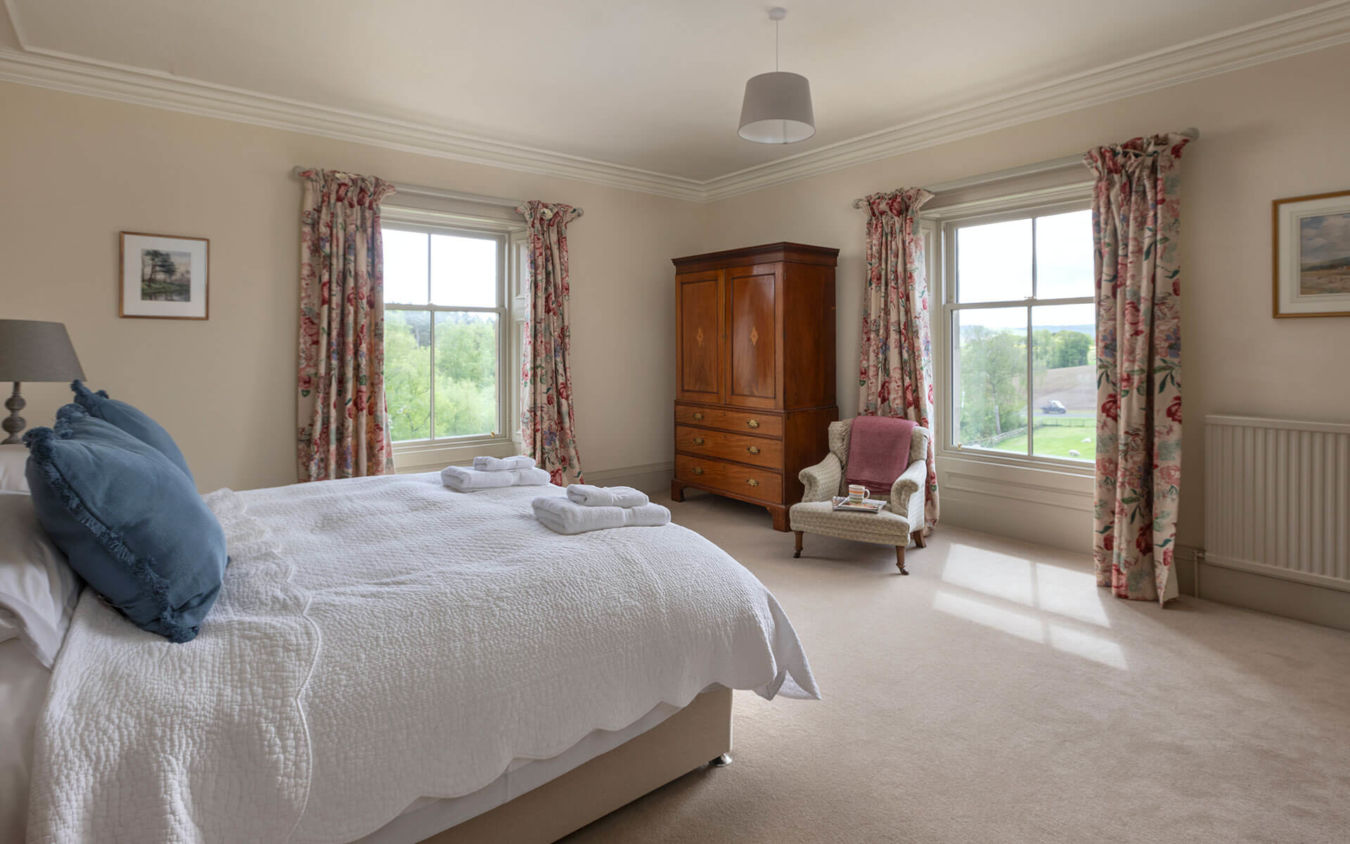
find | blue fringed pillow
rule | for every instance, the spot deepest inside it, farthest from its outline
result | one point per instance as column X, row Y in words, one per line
column 130, row 523
column 130, row 419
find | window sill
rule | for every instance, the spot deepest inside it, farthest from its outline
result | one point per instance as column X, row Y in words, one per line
column 1058, row 483
column 410, row 457
column 1055, row 465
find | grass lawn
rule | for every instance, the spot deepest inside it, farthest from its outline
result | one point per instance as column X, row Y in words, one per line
column 1057, row 440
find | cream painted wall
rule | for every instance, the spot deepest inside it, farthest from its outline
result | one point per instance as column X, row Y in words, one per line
column 74, row 171
column 1275, row 130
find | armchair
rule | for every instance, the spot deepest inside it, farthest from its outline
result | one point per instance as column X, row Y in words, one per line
column 902, row 519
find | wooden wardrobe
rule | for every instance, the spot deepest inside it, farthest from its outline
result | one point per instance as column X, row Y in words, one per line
column 754, row 371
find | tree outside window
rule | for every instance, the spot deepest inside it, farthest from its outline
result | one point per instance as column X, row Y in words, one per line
column 442, row 333
column 1023, row 330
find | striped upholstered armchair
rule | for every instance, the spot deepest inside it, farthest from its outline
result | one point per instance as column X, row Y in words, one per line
column 901, row 521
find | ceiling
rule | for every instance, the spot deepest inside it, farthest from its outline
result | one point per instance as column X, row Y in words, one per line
column 647, row 85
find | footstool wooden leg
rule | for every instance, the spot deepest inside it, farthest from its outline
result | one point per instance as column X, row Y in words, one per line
column 900, row 558
column 797, row 552
column 919, row 538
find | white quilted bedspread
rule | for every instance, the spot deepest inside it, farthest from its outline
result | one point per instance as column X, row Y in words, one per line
column 380, row 640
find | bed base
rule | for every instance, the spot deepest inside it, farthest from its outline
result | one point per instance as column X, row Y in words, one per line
column 682, row 743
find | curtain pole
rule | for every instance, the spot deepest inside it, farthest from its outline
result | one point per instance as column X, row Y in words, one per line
column 439, row 193
column 1191, row 132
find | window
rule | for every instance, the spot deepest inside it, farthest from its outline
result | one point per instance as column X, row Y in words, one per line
column 1021, row 333
column 445, row 332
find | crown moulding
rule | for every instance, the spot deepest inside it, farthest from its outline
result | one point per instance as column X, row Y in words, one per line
column 1302, row 31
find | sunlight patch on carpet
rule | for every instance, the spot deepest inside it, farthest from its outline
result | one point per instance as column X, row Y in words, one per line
column 1055, row 589
column 1033, row 627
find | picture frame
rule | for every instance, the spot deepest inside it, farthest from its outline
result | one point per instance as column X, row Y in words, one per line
column 164, row 277
column 1311, row 255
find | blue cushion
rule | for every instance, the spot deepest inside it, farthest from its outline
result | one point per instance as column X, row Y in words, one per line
column 130, row 523
column 131, row 420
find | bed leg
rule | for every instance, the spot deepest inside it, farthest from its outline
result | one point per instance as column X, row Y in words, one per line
column 797, row 552
column 721, row 761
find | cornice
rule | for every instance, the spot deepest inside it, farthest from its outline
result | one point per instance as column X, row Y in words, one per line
column 1307, row 30
column 77, row 75
column 1318, row 27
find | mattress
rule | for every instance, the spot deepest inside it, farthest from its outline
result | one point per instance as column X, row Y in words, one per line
column 429, row 816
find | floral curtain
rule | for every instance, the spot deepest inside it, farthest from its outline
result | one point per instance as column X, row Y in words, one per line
column 1136, row 233
column 343, row 427
column 547, row 424
column 895, row 375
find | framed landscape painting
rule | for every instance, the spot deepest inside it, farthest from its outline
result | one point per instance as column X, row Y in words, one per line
column 1312, row 255
column 164, row 277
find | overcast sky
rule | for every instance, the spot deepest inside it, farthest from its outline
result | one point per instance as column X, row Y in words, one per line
column 1325, row 238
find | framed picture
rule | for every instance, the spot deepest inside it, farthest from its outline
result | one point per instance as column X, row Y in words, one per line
column 164, row 277
column 1312, row 255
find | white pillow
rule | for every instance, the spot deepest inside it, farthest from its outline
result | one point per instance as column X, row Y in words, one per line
column 23, row 687
column 38, row 589
column 13, row 460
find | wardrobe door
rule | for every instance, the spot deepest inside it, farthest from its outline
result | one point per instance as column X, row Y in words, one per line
column 699, row 363
column 752, row 349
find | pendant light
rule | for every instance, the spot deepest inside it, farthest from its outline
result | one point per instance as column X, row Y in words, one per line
column 777, row 106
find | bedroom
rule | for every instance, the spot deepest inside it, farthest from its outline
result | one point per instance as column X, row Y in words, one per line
column 996, row 691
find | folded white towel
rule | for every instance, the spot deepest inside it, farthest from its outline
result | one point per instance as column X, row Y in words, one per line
column 464, row 479
column 502, row 464
column 606, row 496
column 562, row 515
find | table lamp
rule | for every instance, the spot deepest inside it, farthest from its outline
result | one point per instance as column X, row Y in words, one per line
column 33, row 351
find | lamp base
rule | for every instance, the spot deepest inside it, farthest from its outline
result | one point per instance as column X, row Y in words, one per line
column 14, row 423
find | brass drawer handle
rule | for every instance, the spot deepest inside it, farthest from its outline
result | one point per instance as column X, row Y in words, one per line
column 752, row 482
column 752, row 423
column 753, row 449
column 698, row 441
column 698, row 470
column 698, row 417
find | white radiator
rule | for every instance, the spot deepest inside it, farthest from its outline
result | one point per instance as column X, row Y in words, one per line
column 1277, row 498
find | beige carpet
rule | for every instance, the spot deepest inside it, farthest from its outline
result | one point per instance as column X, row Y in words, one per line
column 996, row 694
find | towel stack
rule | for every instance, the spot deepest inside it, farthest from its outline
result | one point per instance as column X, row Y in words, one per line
column 588, row 507
column 601, row 496
column 494, row 473
column 503, row 464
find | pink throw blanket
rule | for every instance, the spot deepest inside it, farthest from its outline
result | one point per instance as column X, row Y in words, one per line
column 878, row 452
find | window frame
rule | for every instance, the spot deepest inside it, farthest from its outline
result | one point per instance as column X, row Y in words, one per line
column 939, row 226
column 436, row 451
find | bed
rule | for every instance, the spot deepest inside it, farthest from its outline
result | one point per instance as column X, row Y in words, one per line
column 390, row 661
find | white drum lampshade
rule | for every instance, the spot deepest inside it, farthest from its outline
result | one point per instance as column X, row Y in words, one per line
column 777, row 109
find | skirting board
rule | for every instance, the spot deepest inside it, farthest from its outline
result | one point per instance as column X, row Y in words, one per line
column 1274, row 595
column 651, row 478
column 1033, row 521
column 1028, row 521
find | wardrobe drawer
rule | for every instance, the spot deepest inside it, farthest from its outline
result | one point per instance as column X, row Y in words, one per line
column 747, row 481
column 763, row 424
column 729, row 446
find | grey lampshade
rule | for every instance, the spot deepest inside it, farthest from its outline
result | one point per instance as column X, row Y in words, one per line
column 36, row 351
column 777, row 108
